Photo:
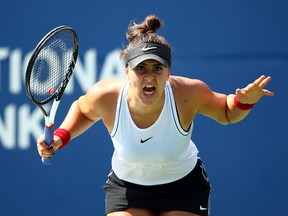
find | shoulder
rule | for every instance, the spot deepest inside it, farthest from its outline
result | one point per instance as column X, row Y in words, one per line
column 101, row 97
column 187, row 86
column 194, row 96
column 107, row 87
column 189, row 93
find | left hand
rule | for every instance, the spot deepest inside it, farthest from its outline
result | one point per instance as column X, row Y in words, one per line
column 254, row 91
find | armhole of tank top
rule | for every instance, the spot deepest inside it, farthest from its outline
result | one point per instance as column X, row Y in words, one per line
column 118, row 110
column 175, row 112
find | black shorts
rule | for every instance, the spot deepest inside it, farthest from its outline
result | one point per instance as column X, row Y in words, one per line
column 190, row 194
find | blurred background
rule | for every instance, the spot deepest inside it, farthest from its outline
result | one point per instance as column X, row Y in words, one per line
column 225, row 43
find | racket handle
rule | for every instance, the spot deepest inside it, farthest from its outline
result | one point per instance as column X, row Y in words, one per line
column 48, row 139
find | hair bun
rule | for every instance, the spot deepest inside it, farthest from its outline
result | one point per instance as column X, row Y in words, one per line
column 152, row 23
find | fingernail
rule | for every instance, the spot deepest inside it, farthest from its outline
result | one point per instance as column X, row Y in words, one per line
column 50, row 148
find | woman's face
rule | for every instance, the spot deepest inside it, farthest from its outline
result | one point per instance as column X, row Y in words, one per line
column 147, row 81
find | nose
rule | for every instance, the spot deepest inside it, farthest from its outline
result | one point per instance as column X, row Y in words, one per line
column 150, row 76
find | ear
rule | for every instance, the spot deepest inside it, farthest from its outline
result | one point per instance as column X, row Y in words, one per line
column 127, row 72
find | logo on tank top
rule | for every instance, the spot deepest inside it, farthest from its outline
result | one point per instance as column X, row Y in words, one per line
column 145, row 140
column 202, row 208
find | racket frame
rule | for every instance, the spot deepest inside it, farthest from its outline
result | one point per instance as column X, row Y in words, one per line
column 57, row 95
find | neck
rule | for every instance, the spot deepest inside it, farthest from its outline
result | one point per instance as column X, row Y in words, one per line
column 136, row 106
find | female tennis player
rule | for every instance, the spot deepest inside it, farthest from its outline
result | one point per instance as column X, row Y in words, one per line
column 156, row 170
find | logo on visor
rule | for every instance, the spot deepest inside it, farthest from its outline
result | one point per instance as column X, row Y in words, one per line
column 146, row 48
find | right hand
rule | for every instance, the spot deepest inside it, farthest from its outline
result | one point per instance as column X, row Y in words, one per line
column 46, row 151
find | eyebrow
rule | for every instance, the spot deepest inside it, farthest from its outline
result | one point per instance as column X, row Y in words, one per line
column 156, row 64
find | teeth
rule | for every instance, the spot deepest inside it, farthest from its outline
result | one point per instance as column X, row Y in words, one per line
column 149, row 89
column 149, row 93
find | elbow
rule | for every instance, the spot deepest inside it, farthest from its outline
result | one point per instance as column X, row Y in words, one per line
column 230, row 119
column 225, row 121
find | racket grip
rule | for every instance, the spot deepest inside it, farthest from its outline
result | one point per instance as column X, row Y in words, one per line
column 48, row 139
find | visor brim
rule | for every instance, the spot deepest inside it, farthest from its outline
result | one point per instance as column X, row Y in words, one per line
column 133, row 63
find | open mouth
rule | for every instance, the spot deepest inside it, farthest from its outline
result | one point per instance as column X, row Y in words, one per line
column 149, row 89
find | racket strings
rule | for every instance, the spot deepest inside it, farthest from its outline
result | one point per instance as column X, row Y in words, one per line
column 51, row 66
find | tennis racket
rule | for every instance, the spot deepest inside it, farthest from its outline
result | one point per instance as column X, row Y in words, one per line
column 48, row 73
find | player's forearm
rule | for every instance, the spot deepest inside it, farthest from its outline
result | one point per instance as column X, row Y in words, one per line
column 75, row 122
column 234, row 113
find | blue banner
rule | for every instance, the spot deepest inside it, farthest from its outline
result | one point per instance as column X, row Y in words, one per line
column 227, row 44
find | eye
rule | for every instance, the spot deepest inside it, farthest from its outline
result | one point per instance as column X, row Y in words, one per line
column 159, row 69
column 140, row 68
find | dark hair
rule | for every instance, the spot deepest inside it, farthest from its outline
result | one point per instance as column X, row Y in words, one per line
column 144, row 32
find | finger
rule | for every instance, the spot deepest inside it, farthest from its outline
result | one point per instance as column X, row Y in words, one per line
column 56, row 144
column 240, row 92
column 267, row 92
column 46, row 153
column 259, row 80
column 40, row 141
column 264, row 82
column 50, row 148
column 42, row 147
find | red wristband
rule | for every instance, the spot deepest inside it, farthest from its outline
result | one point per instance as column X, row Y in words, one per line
column 64, row 135
column 242, row 106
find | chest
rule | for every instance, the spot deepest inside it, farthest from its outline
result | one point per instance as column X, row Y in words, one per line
column 155, row 138
column 161, row 142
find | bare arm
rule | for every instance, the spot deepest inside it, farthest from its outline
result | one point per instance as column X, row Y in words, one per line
column 76, row 122
column 223, row 109
column 95, row 105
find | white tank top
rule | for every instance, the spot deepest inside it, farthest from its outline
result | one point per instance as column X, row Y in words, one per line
column 159, row 154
